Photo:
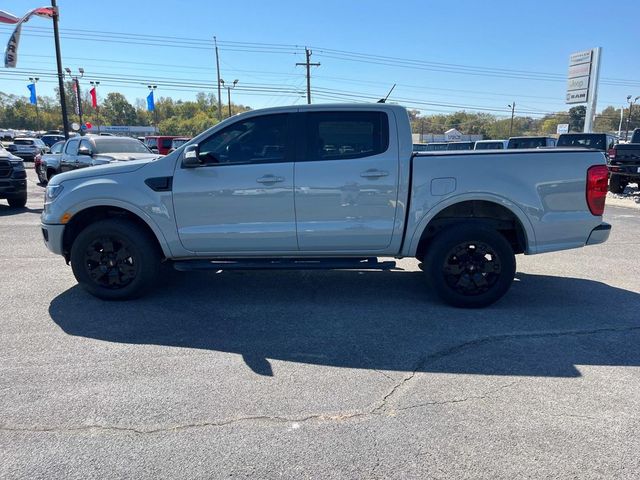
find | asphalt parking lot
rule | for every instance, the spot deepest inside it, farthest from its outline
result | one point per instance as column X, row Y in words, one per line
column 320, row 374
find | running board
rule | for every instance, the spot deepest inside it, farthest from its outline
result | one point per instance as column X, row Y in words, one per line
column 371, row 263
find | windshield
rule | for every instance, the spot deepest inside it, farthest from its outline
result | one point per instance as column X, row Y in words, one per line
column 533, row 142
column 489, row 146
column 179, row 142
column 23, row 141
column 119, row 145
column 585, row 141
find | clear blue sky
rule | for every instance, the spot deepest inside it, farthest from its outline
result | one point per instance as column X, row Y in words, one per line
column 469, row 37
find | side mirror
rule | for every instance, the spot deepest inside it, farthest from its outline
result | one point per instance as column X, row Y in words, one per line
column 84, row 151
column 191, row 157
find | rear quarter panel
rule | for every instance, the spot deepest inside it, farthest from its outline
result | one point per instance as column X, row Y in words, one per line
column 545, row 189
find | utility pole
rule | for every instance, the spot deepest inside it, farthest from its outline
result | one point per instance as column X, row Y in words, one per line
column 631, row 103
column 34, row 80
column 63, row 100
column 513, row 111
column 215, row 42
column 308, row 64
column 229, row 88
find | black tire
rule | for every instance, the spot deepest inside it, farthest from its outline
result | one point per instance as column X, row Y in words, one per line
column 115, row 259
column 42, row 176
column 470, row 266
column 18, row 202
column 616, row 185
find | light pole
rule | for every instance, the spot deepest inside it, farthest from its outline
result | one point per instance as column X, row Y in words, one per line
column 76, row 82
column 229, row 88
column 513, row 111
column 155, row 111
column 94, row 85
column 34, row 80
column 631, row 102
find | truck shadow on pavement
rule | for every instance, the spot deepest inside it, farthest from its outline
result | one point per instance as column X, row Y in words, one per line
column 5, row 211
column 545, row 326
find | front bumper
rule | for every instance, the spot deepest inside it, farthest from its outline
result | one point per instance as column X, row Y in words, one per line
column 52, row 235
column 13, row 187
column 600, row 234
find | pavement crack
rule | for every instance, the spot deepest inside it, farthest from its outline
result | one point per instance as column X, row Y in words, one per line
column 177, row 428
column 481, row 341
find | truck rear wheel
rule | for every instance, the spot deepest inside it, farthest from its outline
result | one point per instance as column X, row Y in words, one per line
column 470, row 266
column 616, row 185
column 115, row 259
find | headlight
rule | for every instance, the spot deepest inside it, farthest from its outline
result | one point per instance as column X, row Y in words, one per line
column 52, row 192
column 17, row 164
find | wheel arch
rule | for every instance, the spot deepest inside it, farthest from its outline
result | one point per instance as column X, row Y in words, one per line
column 491, row 210
column 90, row 214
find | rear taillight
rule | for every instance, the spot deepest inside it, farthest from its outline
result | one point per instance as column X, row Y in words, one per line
column 597, row 188
column 612, row 153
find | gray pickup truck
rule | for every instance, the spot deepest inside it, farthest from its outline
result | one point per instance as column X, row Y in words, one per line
column 324, row 186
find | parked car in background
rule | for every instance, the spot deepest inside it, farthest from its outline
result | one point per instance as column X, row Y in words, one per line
column 159, row 143
column 178, row 142
column 436, row 146
column 27, row 148
column 490, row 144
column 49, row 163
column 13, row 179
column 460, row 146
column 50, row 138
column 531, row 142
column 91, row 150
column 624, row 163
column 420, row 147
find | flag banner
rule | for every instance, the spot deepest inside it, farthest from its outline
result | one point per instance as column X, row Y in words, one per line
column 6, row 17
column 11, row 52
column 94, row 97
column 151, row 106
column 76, row 96
column 33, row 99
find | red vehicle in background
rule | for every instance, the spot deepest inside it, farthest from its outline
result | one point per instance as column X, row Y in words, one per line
column 159, row 143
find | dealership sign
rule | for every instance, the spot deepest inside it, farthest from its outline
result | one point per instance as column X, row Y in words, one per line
column 562, row 128
column 580, row 70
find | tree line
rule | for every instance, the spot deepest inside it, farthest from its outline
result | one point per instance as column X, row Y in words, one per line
column 178, row 117
column 492, row 127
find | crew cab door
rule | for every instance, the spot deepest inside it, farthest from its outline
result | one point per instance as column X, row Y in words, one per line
column 240, row 198
column 346, row 187
column 69, row 158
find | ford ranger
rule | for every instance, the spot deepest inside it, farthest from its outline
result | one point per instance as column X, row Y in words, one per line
column 324, row 186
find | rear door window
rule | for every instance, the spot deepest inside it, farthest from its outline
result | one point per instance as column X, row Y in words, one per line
column 72, row 147
column 344, row 135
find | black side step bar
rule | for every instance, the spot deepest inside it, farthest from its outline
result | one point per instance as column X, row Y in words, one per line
column 371, row 263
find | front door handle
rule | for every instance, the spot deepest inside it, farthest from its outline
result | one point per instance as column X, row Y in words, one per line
column 270, row 179
column 374, row 173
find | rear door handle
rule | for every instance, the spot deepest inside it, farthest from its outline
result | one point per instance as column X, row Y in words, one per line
column 374, row 173
column 267, row 179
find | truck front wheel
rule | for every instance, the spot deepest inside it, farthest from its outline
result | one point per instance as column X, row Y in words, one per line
column 470, row 266
column 115, row 259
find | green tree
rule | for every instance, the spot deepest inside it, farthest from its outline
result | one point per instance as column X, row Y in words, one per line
column 116, row 110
